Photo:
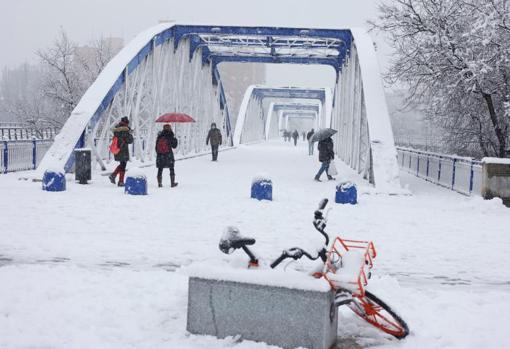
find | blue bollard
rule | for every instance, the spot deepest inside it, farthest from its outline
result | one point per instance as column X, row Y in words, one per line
column 136, row 185
column 346, row 193
column 262, row 189
column 54, row 181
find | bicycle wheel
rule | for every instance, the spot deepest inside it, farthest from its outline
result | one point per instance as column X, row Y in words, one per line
column 379, row 314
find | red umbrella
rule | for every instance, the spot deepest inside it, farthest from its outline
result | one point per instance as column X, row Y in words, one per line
column 175, row 117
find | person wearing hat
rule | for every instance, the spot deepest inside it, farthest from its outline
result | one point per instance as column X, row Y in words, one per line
column 165, row 142
column 124, row 137
column 214, row 136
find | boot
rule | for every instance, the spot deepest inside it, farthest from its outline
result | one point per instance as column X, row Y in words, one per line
column 160, row 182
column 317, row 179
column 121, row 178
column 331, row 178
column 113, row 175
column 173, row 183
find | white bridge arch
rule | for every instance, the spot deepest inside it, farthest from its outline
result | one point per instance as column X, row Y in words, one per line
column 173, row 67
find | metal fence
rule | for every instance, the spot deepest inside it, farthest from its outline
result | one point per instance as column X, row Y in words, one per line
column 22, row 155
column 461, row 174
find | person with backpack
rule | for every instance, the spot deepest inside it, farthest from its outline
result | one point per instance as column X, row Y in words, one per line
column 214, row 136
column 165, row 142
column 122, row 137
column 309, row 136
column 326, row 154
column 295, row 136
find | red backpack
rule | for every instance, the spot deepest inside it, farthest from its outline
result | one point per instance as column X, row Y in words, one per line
column 162, row 146
column 114, row 146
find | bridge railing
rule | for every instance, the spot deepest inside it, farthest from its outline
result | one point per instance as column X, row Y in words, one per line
column 22, row 155
column 461, row 174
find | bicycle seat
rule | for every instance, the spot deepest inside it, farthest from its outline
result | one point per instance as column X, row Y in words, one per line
column 232, row 240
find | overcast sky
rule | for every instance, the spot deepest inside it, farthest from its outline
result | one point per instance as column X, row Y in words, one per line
column 29, row 25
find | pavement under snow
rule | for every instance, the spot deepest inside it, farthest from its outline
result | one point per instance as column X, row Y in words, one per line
column 95, row 268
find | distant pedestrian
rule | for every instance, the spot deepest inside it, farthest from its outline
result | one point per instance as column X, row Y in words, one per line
column 123, row 137
column 214, row 137
column 295, row 136
column 165, row 143
column 309, row 136
column 326, row 154
column 304, row 135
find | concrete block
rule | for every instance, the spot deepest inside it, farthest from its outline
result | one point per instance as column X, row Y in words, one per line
column 286, row 317
column 496, row 179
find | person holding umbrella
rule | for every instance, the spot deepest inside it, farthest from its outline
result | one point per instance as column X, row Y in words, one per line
column 165, row 142
column 326, row 153
column 214, row 136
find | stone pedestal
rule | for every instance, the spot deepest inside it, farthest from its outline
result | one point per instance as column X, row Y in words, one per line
column 286, row 317
column 496, row 179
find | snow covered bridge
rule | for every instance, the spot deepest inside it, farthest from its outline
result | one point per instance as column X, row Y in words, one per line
column 173, row 67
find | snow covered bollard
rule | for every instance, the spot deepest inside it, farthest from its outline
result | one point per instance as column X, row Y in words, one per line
column 346, row 193
column 54, row 180
column 136, row 182
column 262, row 188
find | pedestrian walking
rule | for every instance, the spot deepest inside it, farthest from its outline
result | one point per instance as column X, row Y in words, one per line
column 214, row 137
column 122, row 137
column 309, row 136
column 165, row 143
column 326, row 154
column 304, row 135
column 295, row 136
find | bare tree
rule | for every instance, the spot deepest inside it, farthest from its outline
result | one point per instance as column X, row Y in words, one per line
column 453, row 55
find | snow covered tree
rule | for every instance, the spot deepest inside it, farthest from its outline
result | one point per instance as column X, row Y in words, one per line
column 454, row 56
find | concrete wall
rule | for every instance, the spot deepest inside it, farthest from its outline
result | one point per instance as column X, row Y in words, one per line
column 285, row 317
column 496, row 179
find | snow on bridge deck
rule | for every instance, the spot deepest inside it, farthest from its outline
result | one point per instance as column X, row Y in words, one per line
column 92, row 267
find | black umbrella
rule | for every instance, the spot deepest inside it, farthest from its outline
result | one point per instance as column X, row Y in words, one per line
column 322, row 134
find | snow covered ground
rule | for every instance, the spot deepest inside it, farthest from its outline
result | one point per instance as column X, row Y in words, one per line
column 95, row 268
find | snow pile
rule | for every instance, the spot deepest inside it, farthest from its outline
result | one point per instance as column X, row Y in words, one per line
column 258, row 276
column 261, row 177
column 348, row 269
column 502, row 161
column 136, row 172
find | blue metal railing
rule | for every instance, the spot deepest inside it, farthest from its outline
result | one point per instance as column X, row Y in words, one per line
column 22, row 155
column 461, row 174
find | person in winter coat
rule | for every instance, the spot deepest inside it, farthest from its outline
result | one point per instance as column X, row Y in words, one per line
column 309, row 136
column 124, row 137
column 214, row 137
column 304, row 135
column 165, row 143
column 295, row 136
column 326, row 154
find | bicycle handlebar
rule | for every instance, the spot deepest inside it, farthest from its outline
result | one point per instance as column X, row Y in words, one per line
column 323, row 203
column 295, row 253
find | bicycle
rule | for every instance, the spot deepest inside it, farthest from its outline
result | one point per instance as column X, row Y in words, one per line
column 343, row 258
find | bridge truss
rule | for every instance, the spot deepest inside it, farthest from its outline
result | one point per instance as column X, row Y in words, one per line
column 173, row 67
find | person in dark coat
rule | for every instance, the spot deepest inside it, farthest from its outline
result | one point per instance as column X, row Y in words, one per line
column 295, row 136
column 165, row 143
column 124, row 137
column 304, row 135
column 309, row 136
column 326, row 154
column 214, row 137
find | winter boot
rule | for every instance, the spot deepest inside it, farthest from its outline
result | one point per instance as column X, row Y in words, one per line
column 113, row 175
column 331, row 178
column 160, row 182
column 121, row 178
column 173, row 183
column 317, row 179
